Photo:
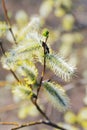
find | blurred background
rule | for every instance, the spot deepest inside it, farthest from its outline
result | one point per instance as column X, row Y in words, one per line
column 66, row 21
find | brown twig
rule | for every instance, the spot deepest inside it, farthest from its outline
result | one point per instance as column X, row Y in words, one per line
column 27, row 124
column 47, row 122
column 19, row 126
column 46, row 50
column 39, row 109
column 8, row 20
column 9, row 123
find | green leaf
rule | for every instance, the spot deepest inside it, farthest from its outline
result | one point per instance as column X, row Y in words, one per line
column 45, row 33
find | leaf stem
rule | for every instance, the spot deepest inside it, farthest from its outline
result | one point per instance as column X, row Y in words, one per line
column 39, row 109
column 46, row 50
column 19, row 126
column 8, row 20
column 9, row 123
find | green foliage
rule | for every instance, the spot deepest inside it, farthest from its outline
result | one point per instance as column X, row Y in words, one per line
column 45, row 33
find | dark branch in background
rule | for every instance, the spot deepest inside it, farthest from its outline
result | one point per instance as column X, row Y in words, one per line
column 8, row 20
column 3, row 52
column 38, row 123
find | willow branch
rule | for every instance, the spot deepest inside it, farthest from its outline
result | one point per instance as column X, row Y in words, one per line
column 38, row 123
column 39, row 109
column 8, row 20
column 46, row 50
column 27, row 124
column 9, row 123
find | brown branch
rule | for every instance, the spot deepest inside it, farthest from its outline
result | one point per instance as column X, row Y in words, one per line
column 46, row 122
column 39, row 109
column 9, row 123
column 18, row 126
column 8, row 20
column 53, row 125
column 6, row 12
column 38, row 123
column 46, row 50
column 15, row 76
column 27, row 124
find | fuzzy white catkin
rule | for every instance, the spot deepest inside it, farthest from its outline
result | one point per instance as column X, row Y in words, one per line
column 57, row 96
column 59, row 66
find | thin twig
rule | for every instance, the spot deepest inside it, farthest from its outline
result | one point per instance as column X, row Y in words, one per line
column 9, row 123
column 38, row 123
column 27, row 124
column 46, row 50
column 8, row 20
column 39, row 109
column 53, row 125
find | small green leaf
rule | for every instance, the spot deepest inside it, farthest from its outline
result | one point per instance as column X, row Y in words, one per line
column 45, row 33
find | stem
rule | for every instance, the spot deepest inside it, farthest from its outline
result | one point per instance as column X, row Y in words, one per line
column 9, row 123
column 27, row 124
column 32, row 124
column 15, row 76
column 53, row 125
column 8, row 20
column 38, row 122
column 39, row 109
column 46, row 50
